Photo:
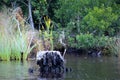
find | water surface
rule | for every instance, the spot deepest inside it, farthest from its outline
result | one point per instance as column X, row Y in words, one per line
column 83, row 68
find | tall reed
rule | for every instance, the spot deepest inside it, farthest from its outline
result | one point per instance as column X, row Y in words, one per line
column 13, row 38
column 114, row 46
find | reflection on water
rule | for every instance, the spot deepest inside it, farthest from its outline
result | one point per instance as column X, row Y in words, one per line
column 106, row 68
column 83, row 68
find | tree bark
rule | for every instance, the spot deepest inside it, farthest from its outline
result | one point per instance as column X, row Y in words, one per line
column 30, row 14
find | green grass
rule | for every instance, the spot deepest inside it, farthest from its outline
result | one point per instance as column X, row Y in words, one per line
column 13, row 39
column 114, row 46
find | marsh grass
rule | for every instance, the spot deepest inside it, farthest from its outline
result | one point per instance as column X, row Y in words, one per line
column 13, row 39
column 114, row 46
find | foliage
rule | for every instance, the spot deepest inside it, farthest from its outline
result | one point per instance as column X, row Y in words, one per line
column 48, row 33
column 83, row 16
column 70, row 10
column 88, row 41
column 39, row 8
column 89, row 23
column 99, row 20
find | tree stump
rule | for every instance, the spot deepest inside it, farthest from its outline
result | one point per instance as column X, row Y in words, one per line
column 50, row 62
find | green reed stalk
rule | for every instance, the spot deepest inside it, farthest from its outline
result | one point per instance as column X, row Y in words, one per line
column 13, row 39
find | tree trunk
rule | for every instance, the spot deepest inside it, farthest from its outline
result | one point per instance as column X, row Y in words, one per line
column 78, row 23
column 30, row 14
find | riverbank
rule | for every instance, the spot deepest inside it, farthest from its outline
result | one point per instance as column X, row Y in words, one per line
column 96, row 52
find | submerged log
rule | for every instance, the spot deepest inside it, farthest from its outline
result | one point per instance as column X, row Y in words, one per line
column 50, row 62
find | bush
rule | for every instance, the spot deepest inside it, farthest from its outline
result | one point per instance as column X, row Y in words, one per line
column 88, row 41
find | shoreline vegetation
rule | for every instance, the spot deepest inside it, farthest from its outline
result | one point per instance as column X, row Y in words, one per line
column 16, row 36
column 13, row 38
column 90, row 30
column 17, row 40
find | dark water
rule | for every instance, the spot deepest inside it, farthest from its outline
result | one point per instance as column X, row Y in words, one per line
column 83, row 68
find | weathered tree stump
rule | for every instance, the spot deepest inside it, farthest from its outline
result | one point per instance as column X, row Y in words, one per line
column 50, row 62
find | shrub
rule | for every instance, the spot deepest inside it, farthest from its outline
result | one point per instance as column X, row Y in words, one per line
column 88, row 41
